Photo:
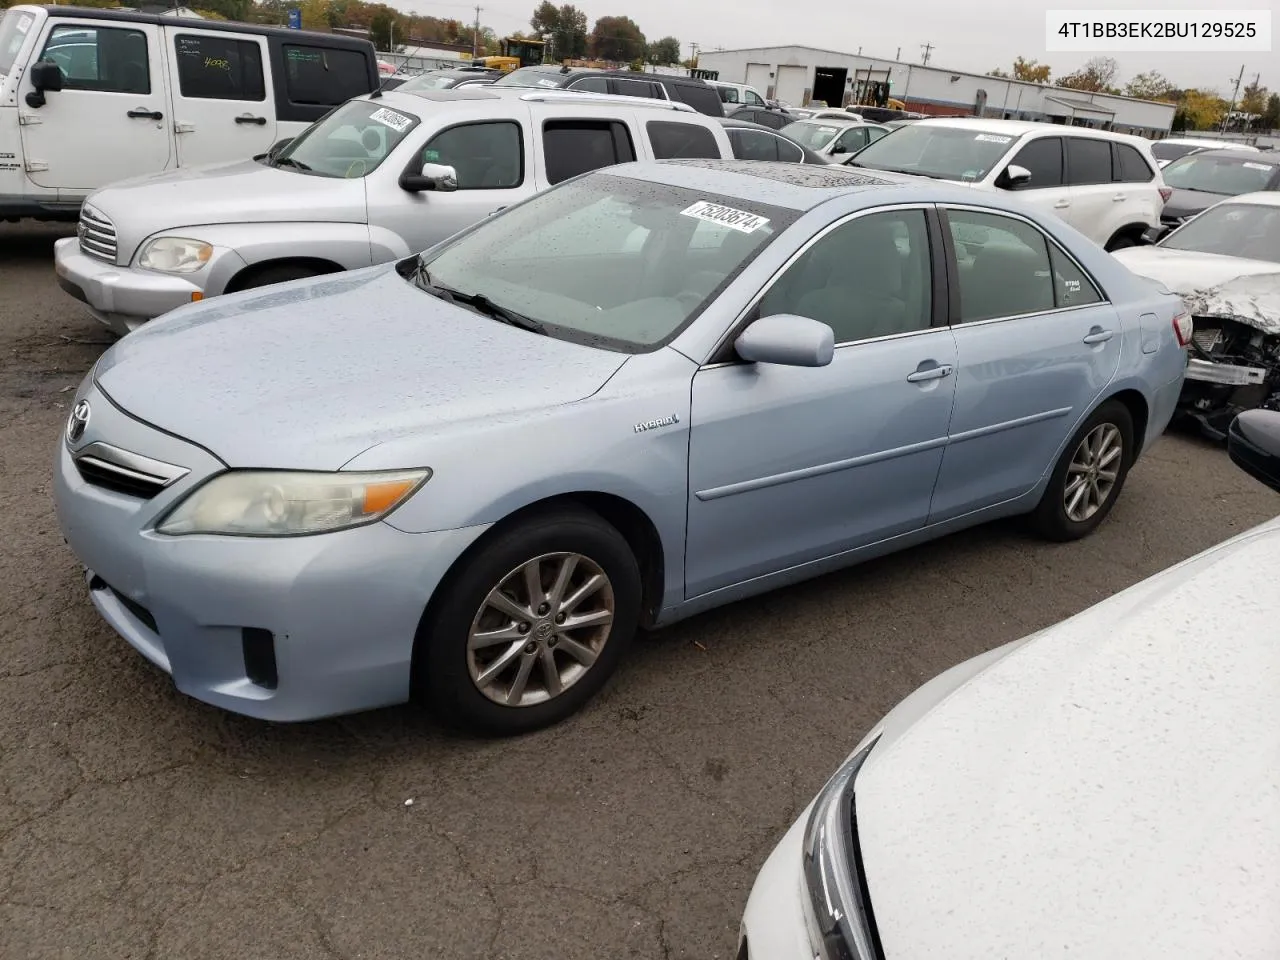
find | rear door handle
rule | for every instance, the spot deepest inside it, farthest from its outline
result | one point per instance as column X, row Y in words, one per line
column 143, row 114
column 249, row 118
column 932, row 373
column 1098, row 336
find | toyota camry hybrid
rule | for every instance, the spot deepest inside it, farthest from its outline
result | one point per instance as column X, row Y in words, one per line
column 653, row 389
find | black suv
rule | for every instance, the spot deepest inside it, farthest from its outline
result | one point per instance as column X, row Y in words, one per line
column 658, row 86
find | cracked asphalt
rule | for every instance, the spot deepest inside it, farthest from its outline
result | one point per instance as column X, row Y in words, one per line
column 136, row 823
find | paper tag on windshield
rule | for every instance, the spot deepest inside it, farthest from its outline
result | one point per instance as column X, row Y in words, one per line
column 738, row 220
column 24, row 22
column 992, row 138
column 396, row 121
column 1257, row 166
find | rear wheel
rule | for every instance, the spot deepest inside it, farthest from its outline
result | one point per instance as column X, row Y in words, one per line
column 532, row 626
column 1089, row 475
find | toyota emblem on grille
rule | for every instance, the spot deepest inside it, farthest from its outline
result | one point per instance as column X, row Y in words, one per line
column 78, row 420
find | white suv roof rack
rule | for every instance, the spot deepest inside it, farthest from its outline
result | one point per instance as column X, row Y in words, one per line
column 573, row 96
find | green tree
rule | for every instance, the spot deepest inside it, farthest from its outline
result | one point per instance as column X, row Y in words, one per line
column 385, row 29
column 1151, row 86
column 1271, row 116
column 1095, row 76
column 1030, row 70
column 569, row 39
column 1202, row 109
column 617, row 38
column 546, row 19
column 665, row 51
column 1254, row 99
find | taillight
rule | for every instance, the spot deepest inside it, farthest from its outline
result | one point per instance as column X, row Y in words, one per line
column 1183, row 326
column 1166, row 193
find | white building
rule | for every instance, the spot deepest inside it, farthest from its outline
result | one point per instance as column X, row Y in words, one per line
column 800, row 74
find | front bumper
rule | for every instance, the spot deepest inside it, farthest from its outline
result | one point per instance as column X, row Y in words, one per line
column 341, row 609
column 777, row 922
column 124, row 298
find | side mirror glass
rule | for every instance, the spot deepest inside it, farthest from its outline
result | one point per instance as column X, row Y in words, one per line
column 1253, row 444
column 787, row 340
column 433, row 176
column 46, row 77
column 1016, row 176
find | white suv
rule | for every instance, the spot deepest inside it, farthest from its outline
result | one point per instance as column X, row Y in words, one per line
column 1106, row 185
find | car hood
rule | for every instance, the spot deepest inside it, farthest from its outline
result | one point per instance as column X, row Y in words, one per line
column 1212, row 285
column 244, row 191
column 1187, row 203
column 311, row 373
column 1110, row 789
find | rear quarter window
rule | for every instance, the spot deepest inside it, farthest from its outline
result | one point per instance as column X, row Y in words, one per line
column 324, row 76
column 1129, row 167
column 681, row 141
column 699, row 96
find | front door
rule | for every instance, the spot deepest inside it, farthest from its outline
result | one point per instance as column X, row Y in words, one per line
column 220, row 106
column 791, row 464
column 1036, row 346
column 111, row 118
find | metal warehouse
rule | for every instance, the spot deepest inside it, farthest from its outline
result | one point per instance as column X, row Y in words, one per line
column 799, row 74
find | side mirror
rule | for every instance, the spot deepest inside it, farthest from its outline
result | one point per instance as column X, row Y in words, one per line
column 839, row 150
column 1253, row 444
column 46, row 77
column 1016, row 176
column 433, row 176
column 787, row 340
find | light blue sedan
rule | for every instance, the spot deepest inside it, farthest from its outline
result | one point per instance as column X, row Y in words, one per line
column 652, row 390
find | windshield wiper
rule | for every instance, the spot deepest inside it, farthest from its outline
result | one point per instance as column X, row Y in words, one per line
column 289, row 162
column 476, row 301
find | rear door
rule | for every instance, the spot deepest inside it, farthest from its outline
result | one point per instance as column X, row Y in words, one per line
column 220, row 106
column 1095, row 201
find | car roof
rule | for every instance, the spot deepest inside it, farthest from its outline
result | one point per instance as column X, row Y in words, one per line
column 835, row 121
column 1018, row 128
column 469, row 96
column 1263, row 198
column 225, row 26
column 1246, row 155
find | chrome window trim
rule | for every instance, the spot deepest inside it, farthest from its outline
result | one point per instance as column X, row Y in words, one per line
column 923, row 207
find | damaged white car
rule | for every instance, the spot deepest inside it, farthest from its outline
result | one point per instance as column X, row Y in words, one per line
column 1225, row 264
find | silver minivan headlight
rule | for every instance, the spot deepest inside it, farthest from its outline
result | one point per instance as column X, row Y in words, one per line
column 175, row 255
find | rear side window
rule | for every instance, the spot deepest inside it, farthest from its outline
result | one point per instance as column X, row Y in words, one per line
column 638, row 88
column 321, row 75
column 1043, row 158
column 219, row 68
column 699, row 96
column 1127, row 165
column 106, row 59
column 571, row 147
column 1004, row 268
column 1088, row 161
column 681, row 141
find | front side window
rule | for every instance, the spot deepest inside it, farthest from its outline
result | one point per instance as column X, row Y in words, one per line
column 681, row 141
column 851, row 141
column 1043, row 157
column 1219, row 174
column 728, row 94
column 1247, row 230
column 106, row 59
column 1088, row 161
column 754, row 99
column 571, row 147
column 485, row 156
column 1004, row 268
column 942, row 152
column 14, row 27
column 1129, row 167
column 219, row 68
column 582, row 260
column 324, row 75
column 349, row 142
column 869, row 277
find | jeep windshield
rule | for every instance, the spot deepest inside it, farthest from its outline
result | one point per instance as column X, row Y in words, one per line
column 351, row 142
column 14, row 26
column 940, row 152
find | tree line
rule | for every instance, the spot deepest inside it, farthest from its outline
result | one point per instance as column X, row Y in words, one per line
column 1197, row 109
column 617, row 39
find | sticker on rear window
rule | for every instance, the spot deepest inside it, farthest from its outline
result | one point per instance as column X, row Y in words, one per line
column 738, row 220
column 396, row 121
column 992, row 138
column 1258, row 166
column 546, row 83
column 24, row 22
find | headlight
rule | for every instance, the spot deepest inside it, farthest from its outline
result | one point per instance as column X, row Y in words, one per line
column 837, row 892
column 278, row 503
column 175, row 255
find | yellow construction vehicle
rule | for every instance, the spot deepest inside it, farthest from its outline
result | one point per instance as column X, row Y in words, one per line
column 516, row 52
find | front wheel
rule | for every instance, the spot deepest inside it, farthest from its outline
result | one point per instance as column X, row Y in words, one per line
column 1089, row 475
column 532, row 625
column 1122, row 242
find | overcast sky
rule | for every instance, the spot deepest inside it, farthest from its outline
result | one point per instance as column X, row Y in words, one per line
column 966, row 35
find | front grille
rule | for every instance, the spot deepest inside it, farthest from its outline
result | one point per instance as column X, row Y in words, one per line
column 120, row 471
column 97, row 235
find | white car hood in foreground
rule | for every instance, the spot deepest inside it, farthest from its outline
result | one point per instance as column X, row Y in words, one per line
column 1108, row 791
column 1213, row 285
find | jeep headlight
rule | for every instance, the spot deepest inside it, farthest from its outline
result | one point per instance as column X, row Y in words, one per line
column 281, row 503
column 175, row 255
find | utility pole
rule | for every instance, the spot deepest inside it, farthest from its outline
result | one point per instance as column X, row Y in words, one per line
column 928, row 51
column 898, row 56
column 1235, row 91
column 475, row 35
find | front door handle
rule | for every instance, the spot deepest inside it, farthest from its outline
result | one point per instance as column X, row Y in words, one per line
column 1062, row 204
column 930, row 373
column 1098, row 336
column 249, row 118
column 143, row 114
column 1119, row 197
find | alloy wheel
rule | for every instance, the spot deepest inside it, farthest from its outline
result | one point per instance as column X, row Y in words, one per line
column 1091, row 477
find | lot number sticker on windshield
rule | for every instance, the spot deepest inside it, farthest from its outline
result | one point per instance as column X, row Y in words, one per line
column 1257, row 166
column 396, row 121
column 992, row 138
column 738, row 220
column 24, row 23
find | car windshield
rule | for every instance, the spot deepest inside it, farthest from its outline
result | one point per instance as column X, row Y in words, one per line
column 943, row 152
column 1175, row 151
column 606, row 260
column 350, row 142
column 812, row 134
column 531, row 77
column 429, row 81
column 1248, row 230
column 1207, row 173
column 14, row 26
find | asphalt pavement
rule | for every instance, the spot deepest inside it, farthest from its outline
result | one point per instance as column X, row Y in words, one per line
column 135, row 822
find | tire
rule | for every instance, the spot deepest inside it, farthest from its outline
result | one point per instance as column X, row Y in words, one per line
column 1051, row 518
column 1121, row 242
column 278, row 274
column 447, row 671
